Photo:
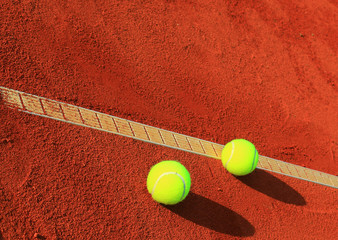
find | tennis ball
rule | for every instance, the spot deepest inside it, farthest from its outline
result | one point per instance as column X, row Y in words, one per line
column 168, row 182
column 239, row 157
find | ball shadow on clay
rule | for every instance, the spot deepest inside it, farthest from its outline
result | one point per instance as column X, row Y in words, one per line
column 212, row 215
column 271, row 186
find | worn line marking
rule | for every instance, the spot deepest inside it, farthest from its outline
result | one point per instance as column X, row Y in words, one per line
column 264, row 163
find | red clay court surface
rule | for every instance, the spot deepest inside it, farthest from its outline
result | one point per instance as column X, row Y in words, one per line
column 264, row 70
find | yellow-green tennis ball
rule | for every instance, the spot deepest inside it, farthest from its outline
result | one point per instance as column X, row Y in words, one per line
column 168, row 182
column 239, row 157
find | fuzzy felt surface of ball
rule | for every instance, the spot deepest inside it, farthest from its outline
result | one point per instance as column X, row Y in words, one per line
column 239, row 157
column 168, row 182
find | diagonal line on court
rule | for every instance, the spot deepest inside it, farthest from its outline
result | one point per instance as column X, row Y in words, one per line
column 65, row 112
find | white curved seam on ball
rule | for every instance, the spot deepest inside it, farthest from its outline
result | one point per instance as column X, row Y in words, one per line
column 253, row 162
column 168, row 173
column 232, row 153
